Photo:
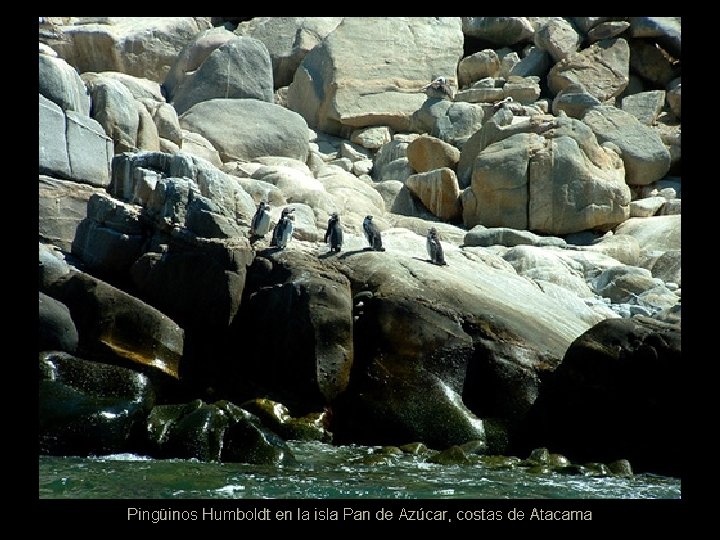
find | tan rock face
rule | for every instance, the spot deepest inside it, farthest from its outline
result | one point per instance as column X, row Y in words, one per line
column 438, row 190
column 427, row 153
column 357, row 78
column 603, row 69
column 140, row 46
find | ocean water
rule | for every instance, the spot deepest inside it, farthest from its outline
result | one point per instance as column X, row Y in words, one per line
column 327, row 472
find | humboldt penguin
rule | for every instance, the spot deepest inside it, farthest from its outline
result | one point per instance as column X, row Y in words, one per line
column 282, row 233
column 434, row 247
column 372, row 233
column 439, row 88
column 260, row 224
column 334, row 233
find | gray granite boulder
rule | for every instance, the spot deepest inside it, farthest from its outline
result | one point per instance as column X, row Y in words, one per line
column 356, row 78
column 61, row 84
column 243, row 129
column 558, row 37
column 645, row 156
column 72, row 146
column 240, row 68
column 288, row 40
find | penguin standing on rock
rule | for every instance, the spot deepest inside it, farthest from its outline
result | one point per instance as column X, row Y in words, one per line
column 434, row 248
column 372, row 233
column 334, row 233
column 282, row 233
column 260, row 224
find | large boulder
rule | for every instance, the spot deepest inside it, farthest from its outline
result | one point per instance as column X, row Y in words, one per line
column 62, row 207
column 209, row 272
column 460, row 339
column 119, row 328
column 296, row 321
column 238, row 69
column 523, row 182
column 603, row 69
column 499, row 30
column 88, row 408
column 288, row 40
column 615, row 396
column 244, row 129
column 140, row 46
column 645, row 156
column 453, row 123
column 114, row 108
column 61, row 84
column 356, row 78
column 110, row 239
column 558, row 37
column 439, row 192
column 72, row 146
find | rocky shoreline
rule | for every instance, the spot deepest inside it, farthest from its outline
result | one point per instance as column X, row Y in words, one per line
column 547, row 161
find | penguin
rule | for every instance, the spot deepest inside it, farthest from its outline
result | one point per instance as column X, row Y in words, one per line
column 334, row 233
column 372, row 233
column 439, row 88
column 434, row 247
column 260, row 224
column 282, row 233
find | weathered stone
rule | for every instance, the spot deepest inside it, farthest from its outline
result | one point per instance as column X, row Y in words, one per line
column 646, row 207
column 371, row 137
column 607, row 30
column 114, row 108
column 558, row 37
column 645, row 156
column 139, row 46
column 147, row 134
column 453, row 123
column 588, row 23
column 72, row 146
column 246, row 441
column 243, row 129
column 340, row 85
column 427, row 153
column 574, row 101
column 438, row 190
column 567, row 164
column 206, row 219
column 61, row 84
column 621, row 283
column 622, row 247
column 113, row 325
column 523, row 91
column 664, row 30
column 167, row 123
column 479, row 65
column 498, row 30
column 603, row 69
column 140, row 88
column 288, row 40
column 481, row 236
column 210, row 272
column 656, row 233
column 294, row 302
column 52, row 265
column 240, row 68
column 673, row 96
column 197, row 145
column 652, row 63
column 535, row 62
column 645, row 106
column 62, row 206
